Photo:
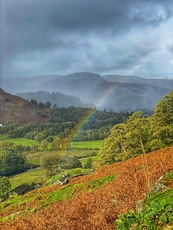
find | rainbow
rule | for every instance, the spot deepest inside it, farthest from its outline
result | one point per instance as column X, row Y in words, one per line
column 99, row 103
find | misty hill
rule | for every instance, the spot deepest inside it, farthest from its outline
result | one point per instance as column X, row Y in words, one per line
column 18, row 110
column 114, row 93
column 126, row 96
column 164, row 83
column 55, row 98
column 122, row 78
column 80, row 85
column 26, row 84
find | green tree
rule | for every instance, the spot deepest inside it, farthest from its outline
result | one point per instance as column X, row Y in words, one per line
column 56, row 144
column 10, row 161
column 112, row 147
column 69, row 162
column 137, row 135
column 162, row 122
column 126, row 140
column 34, row 102
column 43, row 144
column 49, row 162
column 88, row 164
column 5, row 187
column 48, row 104
column 41, row 105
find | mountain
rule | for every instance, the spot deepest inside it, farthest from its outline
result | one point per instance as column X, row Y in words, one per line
column 80, row 85
column 129, row 96
column 111, row 92
column 18, row 110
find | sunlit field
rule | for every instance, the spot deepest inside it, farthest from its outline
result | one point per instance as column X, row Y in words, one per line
column 87, row 144
column 22, row 141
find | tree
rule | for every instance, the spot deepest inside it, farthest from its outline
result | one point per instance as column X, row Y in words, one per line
column 112, row 147
column 69, row 162
column 137, row 135
column 34, row 102
column 48, row 104
column 43, row 144
column 126, row 140
column 88, row 164
column 10, row 161
column 49, row 163
column 56, row 144
column 5, row 187
column 41, row 105
column 162, row 122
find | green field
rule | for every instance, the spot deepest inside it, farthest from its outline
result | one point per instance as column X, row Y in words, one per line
column 87, row 144
column 36, row 176
column 97, row 144
column 22, row 141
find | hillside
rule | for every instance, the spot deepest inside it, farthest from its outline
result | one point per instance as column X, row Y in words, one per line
column 164, row 83
column 88, row 202
column 18, row 110
column 57, row 98
column 112, row 92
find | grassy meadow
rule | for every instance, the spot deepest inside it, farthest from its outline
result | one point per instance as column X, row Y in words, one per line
column 18, row 141
column 87, row 144
column 96, row 144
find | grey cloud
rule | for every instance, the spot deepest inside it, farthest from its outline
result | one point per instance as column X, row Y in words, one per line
column 40, row 35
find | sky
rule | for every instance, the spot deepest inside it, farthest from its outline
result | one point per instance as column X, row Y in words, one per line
column 126, row 37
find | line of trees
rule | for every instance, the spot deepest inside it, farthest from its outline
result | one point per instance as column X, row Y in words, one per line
column 140, row 134
column 65, row 120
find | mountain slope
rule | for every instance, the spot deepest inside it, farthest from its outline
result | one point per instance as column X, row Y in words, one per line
column 163, row 83
column 18, row 110
column 89, row 202
column 81, row 85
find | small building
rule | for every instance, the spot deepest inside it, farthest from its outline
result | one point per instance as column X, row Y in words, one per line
column 63, row 180
column 21, row 189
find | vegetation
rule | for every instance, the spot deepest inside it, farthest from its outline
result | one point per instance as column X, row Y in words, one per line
column 157, row 214
column 18, row 141
column 5, row 187
column 49, row 163
column 93, row 201
column 80, row 124
column 140, row 134
column 11, row 159
column 69, row 162
column 96, row 144
column 56, row 99
column 102, row 199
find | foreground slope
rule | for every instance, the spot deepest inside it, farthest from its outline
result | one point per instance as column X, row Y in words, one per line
column 88, row 202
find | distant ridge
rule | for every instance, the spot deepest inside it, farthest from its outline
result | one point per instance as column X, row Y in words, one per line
column 111, row 92
column 122, row 78
column 164, row 83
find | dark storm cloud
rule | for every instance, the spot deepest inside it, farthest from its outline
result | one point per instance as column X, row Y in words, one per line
column 42, row 36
